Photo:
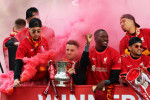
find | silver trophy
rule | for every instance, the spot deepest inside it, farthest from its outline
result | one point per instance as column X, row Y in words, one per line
column 61, row 75
column 138, row 79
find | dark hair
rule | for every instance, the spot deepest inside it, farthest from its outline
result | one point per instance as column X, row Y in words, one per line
column 134, row 40
column 73, row 42
column 35, row 22
column 30, row 11
column 98, row 31
column 20, row 22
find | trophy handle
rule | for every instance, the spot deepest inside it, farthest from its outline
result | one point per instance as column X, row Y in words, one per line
column 51, row 61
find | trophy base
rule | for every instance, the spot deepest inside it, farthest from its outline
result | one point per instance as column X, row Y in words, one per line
column 61, row 84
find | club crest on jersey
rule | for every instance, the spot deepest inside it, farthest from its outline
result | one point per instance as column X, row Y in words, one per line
column 119, row 61
column 93, row 68
column 105, row 59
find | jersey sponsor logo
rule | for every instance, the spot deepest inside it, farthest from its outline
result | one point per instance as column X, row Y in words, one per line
column 105, row 59
column 101, row 69
column 98, row 69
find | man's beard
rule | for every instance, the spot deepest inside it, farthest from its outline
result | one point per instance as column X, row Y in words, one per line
column 124, row 30
column 138, row 54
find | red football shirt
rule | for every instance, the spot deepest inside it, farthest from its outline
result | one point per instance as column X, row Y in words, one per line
column 47, row 33
column 101, row 63
column 144, row 35
column 26, row 49
column 128, row 63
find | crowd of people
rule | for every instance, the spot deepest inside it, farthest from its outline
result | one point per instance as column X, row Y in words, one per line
column 99, row 65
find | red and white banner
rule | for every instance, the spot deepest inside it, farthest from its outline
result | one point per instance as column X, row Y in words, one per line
column 82, row 92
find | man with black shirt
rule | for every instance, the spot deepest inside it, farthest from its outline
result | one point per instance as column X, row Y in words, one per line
column 33, row 44
column 77, row 72
column 10, row 43
column 19, row 25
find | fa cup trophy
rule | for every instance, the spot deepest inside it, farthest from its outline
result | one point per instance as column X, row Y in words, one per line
column 58, row 72
column 138, row 79
column 61, row 75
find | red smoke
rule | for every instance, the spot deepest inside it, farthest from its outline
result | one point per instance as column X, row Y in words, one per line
column 78, row 17
column 6, row 81
column 31, row 64
column 29, row 70
column 73, row 21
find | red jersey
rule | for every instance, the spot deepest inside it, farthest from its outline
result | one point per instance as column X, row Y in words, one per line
column 5, row 49
column 144, row 34
column 26, row 49
column 128, row 63
column 12, row 34
column 101, row 64
column 47, row 33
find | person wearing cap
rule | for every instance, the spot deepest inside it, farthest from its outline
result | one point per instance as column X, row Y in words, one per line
column 33, row 43
column 46, row 32
column 103, row 65
column 132, row 29
column 136, row 58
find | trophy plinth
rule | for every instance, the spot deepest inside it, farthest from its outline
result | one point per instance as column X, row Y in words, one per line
column 61, row 75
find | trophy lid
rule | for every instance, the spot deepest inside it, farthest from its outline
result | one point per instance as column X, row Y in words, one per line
column 62, row 61
column 133, row 74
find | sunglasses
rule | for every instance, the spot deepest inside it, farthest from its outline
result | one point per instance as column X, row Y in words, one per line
column 138, row 46
column 34, row 31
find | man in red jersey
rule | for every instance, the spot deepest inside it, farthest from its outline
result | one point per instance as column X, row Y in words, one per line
column 34, row 43
column 77, row 72
column 129, row 25
column 135, row 58
column 104, row 65
column 10, row 43
column 46, row 32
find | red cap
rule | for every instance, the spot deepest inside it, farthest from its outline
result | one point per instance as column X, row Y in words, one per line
column 129, row 16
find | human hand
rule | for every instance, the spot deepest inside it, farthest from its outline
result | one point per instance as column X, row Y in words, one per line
column 16, row 83
column 71, row 71
column 100, row 85
column 16, row 43
column 88, row 39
